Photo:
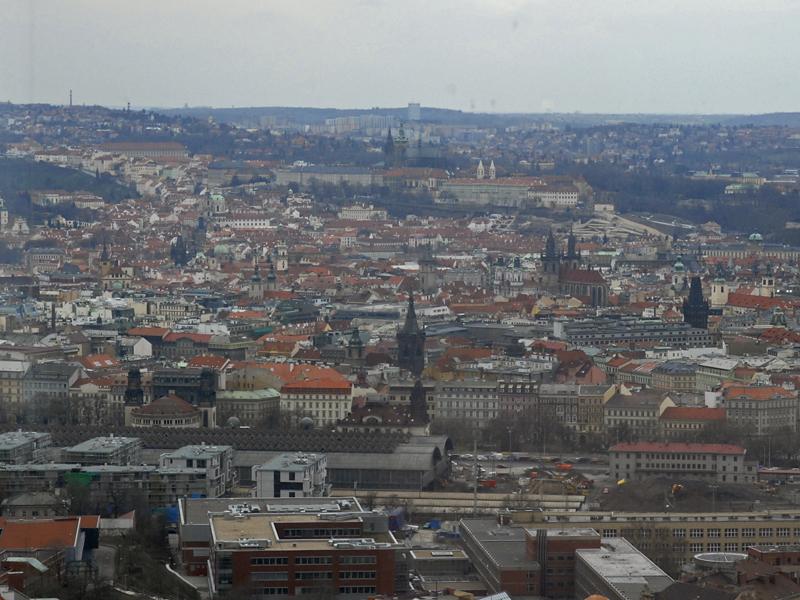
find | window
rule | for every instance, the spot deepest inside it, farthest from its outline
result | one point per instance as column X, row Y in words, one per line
column 272, row 591
column 313, row 575
column 357, row 589
column 269, row 560
column 782, row 532
column 748, row 532
column 731, row 533
column 695, row 533
column 696, row 547
column 270, row 576
column 357, row 575
column 357, row 560
column 713, row 533
column 679, row 533
column 765, row 532
column 313, row 560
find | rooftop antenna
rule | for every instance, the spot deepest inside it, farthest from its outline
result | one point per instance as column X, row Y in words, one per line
column 70, row 97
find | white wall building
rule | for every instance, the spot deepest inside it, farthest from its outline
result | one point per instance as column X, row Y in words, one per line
column 291, row 475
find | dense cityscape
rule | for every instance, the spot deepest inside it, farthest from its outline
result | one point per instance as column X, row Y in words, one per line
column 397, row 353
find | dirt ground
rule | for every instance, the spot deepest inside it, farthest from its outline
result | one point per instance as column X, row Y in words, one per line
column 654, row 494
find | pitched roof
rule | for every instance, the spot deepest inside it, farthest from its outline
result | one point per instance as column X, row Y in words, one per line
column 757, row 392
column 99, row 361
column 39, row 534
column 693, row 413
column 149, row 331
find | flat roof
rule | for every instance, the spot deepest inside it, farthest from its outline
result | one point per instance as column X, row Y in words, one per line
column 104, row 445
column 14, row 439
column 260, row 527
column 448, row 554
column 623, row 567
column 290, row 461
column 196, row 510
column 198, row 451
column 504, row 545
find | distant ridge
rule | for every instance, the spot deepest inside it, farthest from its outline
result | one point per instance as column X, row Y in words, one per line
column 309, row 115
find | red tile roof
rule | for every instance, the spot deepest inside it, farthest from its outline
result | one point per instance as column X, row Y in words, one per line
column 39, row 534
column 757, row 392
column 99, row 361
column 677, row 447
column 693, row 413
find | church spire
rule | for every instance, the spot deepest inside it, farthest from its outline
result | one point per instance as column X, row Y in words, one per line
column 550, row 245
column 411, row 342
column 411, row 325
column 480, row 173
column 492, row 171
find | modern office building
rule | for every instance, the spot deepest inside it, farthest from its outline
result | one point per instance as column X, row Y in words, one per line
column 18, row 447
column 291, row 475
column 297, row 554
column 217, row 461
column 618, row 571
column 628, row 332
column 111, row 450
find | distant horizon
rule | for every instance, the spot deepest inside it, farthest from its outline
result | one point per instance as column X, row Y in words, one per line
column 157, row 108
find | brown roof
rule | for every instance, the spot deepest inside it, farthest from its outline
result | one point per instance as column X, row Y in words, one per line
column 693, row 413
column 165, row 406
column 39, row 534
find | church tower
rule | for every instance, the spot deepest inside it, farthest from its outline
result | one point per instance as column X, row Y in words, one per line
column 272, row 278
column 695, row 307
column 134, row 394
column 355, row 348
column 256, row 289
column 427, row 271
column 480, row 173
column 551, row 263
column 105, row 263
column 281, row 258
column 492, row 171
column 411, row 342
column 419, row 404
column 573, row 258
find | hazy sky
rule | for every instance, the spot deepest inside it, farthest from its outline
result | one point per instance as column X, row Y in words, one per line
column 692, row 56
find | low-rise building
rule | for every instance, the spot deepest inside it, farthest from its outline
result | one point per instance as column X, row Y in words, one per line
column 291, row 475
column 618, row 571
column 299, row 554
column 217, row 461
column 18, row 447
column 111, row 450
column 724, row 463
